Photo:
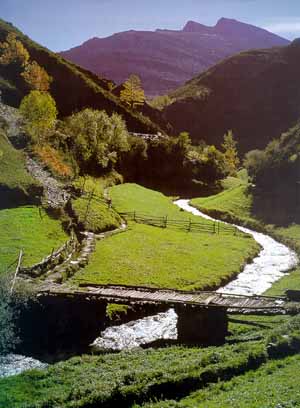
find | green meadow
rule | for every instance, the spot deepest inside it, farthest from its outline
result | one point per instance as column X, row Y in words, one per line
column 164, row 257
column 31, row 230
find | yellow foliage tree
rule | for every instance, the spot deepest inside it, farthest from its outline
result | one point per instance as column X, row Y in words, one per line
column 12, row 51
column 39, row 111
column 36, row 77
column 132, row 93
column 229, row 146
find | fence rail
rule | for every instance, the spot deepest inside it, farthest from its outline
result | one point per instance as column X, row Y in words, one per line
column 213, row 227
column 52, row 260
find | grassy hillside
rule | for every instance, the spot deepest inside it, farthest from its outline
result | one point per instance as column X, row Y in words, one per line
column 270, row 386
column 16, row 185
column 93, row 213
column 164, row 257
column 255, row 93
column 16, row 232
column 73, row 88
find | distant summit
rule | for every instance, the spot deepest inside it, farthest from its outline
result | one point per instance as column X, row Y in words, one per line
column 194, row 27
column 165, row 59
column 296, row 43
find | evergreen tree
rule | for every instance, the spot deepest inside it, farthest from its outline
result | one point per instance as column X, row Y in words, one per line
column 229, row 146
column 133, row 94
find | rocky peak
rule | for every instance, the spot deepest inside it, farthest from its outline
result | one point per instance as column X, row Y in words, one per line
column 194, row 27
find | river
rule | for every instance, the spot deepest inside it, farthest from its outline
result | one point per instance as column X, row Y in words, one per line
column 272, row 263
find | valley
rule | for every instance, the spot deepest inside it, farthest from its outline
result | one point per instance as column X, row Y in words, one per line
column 150, row 257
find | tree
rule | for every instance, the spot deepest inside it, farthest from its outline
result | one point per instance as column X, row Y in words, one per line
column 255, row 161
column 133, row 94
column 230, row 153
column 97, row 139
column 12, row 51
column 161, row 102
column 36, row 77
column 39, row 111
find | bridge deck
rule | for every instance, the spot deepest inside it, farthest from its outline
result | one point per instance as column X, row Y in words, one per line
column 130, row 295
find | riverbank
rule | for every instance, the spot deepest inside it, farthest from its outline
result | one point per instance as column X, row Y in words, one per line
column 236, row 205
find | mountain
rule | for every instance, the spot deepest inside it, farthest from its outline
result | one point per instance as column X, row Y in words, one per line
column 255, row 93
column 165, row 59
column 73, row 87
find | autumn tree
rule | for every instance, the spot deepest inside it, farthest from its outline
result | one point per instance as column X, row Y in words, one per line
column 36, row 77
column 132, row 93
column 12, row 51
column 161, row 102
column 39, row 111
column 230, row 153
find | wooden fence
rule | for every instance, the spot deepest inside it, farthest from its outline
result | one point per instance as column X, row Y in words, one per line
column 212, row 227
column 52, row 260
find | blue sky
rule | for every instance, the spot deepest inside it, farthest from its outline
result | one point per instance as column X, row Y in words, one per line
column 62, row 24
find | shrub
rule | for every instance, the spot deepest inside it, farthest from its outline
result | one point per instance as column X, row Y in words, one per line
column 52, row 158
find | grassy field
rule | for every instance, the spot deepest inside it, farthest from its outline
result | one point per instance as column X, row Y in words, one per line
column 235, row 202
column 144, row 375
column 274, row 385
column 23, row 227
column 95, row 216
column 151, row 256
column 132, row 197
column 117, row 380
column 160, row 257
column 13, row 173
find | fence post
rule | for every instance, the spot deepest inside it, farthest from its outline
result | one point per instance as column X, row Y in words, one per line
column 214, row 227
column 190, row 225
column 82, row 188
column 218, row 228
column 166, row 222
column 88, row 206
column 17, row 271
column 134, row 218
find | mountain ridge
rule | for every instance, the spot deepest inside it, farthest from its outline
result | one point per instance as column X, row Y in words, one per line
column 165, row 59
column 255, row 93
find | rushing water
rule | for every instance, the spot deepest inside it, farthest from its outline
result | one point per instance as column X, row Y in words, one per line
column 13, row 364
column 270, row 265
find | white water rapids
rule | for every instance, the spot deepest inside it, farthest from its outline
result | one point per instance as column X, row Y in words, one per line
column 270, row 265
